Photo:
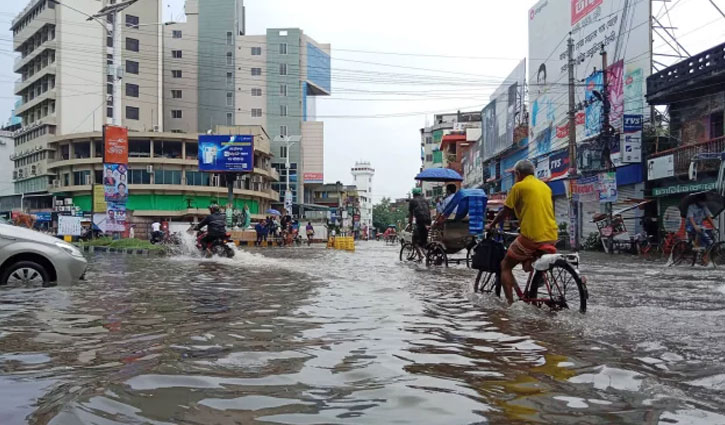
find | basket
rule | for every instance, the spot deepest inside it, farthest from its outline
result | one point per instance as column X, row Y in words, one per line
column 487, row 256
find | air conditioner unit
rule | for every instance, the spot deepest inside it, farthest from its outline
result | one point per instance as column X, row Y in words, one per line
column 156, row 129
column 56, row 183
column 88, row 179
column 15, row 175
column 33, row 172
column 150, row 169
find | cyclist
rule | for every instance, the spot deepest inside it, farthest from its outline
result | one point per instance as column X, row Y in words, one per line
column 419, row 209
column 530, row 200
column 697, row 213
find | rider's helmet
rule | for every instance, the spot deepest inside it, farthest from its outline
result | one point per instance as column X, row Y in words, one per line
column 214, row 208
column 417, row 191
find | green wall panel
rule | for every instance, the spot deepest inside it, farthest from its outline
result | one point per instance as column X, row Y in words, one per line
column 169, row 202
column 85, row 202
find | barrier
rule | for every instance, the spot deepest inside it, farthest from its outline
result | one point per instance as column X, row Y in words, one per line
column 343, row 243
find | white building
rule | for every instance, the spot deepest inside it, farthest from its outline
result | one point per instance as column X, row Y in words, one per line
column 362, row 174
column 6, row 165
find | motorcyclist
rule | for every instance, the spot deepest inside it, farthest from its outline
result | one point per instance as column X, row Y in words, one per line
column 216, row 226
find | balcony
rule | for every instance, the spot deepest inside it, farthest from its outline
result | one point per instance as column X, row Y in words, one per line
column 683, row 154
column 46, row 16
column 20, row 61
column 21, row 85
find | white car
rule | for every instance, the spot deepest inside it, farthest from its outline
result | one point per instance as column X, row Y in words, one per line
column 32, row 258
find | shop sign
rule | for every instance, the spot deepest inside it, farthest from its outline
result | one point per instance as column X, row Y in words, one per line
column 69, row 226
column 661, row 168
column 586, row 188
column 683, row 188
column 543, row 172
column 115, row 142
column 607, row 187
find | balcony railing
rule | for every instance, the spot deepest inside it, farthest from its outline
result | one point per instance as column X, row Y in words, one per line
column 682, row 74
column 683, row 154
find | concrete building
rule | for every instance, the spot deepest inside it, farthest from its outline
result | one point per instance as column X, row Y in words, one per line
column 181, row 73
column 430, row 142
column 362, row 175
column 282, row 73
column 6, row 165
column 64, row 82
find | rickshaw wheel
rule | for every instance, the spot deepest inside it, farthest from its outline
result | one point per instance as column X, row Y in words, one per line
column 436, row 255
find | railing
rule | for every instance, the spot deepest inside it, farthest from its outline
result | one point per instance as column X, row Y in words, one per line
column 709, row 61
column 683, row 154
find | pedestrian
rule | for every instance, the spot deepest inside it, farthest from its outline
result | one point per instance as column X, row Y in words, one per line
column 259, row 228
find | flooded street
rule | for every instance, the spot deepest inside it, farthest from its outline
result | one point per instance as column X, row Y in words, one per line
column 311, row 336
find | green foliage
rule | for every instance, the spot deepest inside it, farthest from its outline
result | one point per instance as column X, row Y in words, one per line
column 385, row 214
column 593, row 243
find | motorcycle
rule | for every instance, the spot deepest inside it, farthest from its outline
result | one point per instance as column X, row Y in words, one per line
column 221, row 246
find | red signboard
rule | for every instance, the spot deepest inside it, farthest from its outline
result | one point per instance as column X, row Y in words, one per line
column 115, row 142
column 581, row 8
column 313, row 177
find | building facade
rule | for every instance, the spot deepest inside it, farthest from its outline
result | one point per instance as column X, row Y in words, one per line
column 362, row 175
column 283, row 72
column 6, row 165
column 181, row 73
column 65, row 81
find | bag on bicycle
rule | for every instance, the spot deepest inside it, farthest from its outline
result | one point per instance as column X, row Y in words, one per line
column 487, row 256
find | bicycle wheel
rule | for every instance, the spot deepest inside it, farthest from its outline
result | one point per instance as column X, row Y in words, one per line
column 566, row 290
column 681, row 252
column 717, row 254
column 436, row 255
column 407, row 252
column 487, row 282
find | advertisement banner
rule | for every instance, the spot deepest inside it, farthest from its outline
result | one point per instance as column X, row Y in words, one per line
column 543, row 172
column 69, row 225
column 115, row 218
column 313, row 177
column 618, row 25
column 559, row 164
column 593, row 111
column 661, row 168
column 585, row 189
column 219, row 153
column 99, row 198
column 115, row 143
column 115, row 182
column 607, row 187
column 503, row 113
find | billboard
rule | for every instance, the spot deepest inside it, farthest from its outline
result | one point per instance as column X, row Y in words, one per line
column 622, row 26
column 115, row 182
column 226, row 154
column 99, row 198
column 115, row 218
column 473, row 167
column 115, row 144
column 313, row 177
column 503, row 113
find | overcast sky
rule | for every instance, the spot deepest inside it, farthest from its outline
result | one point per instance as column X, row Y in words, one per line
column 380, row 68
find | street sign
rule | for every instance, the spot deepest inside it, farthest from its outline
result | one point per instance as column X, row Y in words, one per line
column 220, row 153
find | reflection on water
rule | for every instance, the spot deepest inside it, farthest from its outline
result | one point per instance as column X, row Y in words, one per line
column 308, row 336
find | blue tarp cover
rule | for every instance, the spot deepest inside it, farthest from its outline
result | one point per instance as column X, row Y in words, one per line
column 471, row 203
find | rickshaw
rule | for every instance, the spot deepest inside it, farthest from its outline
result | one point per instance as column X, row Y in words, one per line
column 450, row 236
column 391, row 235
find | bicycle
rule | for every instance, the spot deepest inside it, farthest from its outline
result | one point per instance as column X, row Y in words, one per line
column 687, row 249
column 555, row 274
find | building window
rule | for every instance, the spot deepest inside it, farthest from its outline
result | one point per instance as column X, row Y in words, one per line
column 717, row 127
column 167, row 177
column 176, row 113
column 230, row 79
column 282, row 48
column 230, row 99
column 230, row 40
column 283, row 69
column 139, row 177
column 109, row 89
column 176, row 54
column 109, row 112
column 132, row 67
column 176, row 34
column 132, row 112
column 282, row 110
column 109, row 41
column 176, row 94
column 283, row 90
column 256, row 92
column 131, row 90
column 256, row 51
column 256, row 72
column 283, row 152
column 196, row 178
column 229, row 58
column 282, row 130
column 131, row 21
column 256, row 112
column 176, row 73
column 132, row 44
column 230, row 118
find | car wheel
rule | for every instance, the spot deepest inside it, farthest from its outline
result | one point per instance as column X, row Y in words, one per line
column 26, row 273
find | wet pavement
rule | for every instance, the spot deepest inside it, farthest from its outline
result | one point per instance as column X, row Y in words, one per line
column 311, row 336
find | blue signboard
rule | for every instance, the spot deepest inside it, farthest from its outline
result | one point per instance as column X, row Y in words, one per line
column 219, row 154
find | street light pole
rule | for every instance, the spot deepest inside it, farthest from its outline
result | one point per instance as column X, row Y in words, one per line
column 287, row 192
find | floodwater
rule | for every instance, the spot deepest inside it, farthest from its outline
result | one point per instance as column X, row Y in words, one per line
column 312, row 336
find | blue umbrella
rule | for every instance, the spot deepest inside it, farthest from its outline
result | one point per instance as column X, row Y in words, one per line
column 273, row 212
column 439, row 175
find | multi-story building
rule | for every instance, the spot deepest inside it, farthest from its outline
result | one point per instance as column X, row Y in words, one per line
column 6, row 166
column 431, row 137
column 181, row 73
column 282, row 73
column 65, row 81
column 362, row 175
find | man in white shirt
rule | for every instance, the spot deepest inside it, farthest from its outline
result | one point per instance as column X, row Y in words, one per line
column 450, row 193
column 156, row 233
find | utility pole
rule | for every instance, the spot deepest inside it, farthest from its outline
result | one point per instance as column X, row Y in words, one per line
column 114, row 11
column 573, row 203
column 606, row 137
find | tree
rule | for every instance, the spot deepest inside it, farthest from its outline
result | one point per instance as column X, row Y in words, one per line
column 386, row 213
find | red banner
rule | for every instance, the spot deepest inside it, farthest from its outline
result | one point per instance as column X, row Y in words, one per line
column 581, row 8
column 115, row 142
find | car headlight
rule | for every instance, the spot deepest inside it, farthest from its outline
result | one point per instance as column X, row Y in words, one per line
column 70, row 249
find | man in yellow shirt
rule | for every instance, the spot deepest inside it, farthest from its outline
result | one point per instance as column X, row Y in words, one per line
column 530, row 200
